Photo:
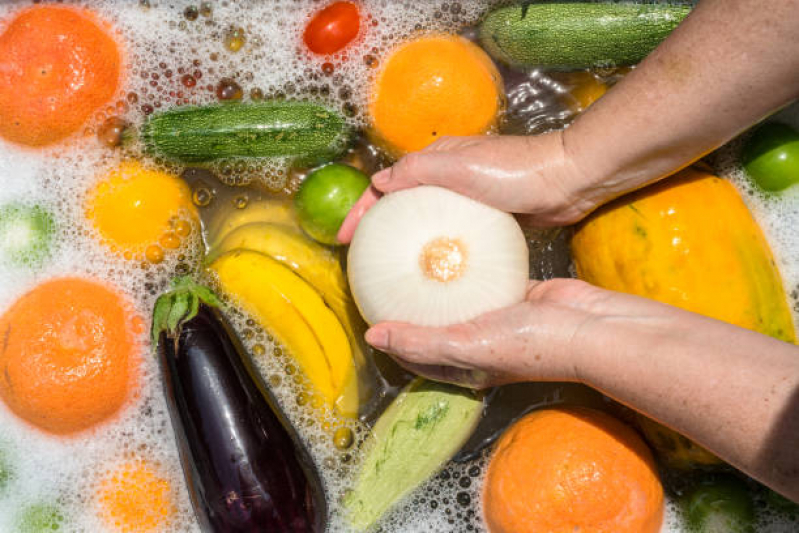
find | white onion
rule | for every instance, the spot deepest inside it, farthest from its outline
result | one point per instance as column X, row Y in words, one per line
column 433, row 257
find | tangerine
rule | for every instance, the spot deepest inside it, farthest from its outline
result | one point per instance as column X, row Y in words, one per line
column 59, row 66
column 134, row 208
column 432, row 87
column 135, row 498
column 575, row 469
column 68, row 355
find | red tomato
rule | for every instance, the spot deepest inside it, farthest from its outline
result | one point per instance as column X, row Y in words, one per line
column 332, row 28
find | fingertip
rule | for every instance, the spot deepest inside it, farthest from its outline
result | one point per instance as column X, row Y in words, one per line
column 364, row 203
column 377, row 336
column 382, row 178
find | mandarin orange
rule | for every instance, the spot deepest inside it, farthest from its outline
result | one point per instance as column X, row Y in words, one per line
column 432, row 87
column 67, row 361
column 572, row 469
column 59, row 66
column 135, row 498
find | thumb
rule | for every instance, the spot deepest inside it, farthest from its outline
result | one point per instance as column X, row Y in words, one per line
column 423, row 345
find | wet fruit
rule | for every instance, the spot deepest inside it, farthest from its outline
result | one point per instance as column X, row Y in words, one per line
column 572, row 469
column 771, row 157
column 332, row 28
column 68, row 358
column 134, row 207
column 325, row 197
column 432, row 87
column 136, row 498
column 59, row 67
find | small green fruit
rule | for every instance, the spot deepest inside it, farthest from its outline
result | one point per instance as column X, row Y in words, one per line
column 771, row 157
column 325, row 197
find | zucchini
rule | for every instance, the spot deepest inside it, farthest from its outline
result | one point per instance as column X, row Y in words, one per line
column 578, row 35
column 303, row 131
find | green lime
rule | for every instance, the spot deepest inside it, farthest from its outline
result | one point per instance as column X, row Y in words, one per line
column 26, row 234
column 40, row 518
column 720, row 504
column 771, row 157
column 325, row 197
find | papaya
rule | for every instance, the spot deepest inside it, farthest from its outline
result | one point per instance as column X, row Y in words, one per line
column 688, row 241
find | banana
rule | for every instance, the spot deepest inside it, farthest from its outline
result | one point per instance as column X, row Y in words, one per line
column 294, row 313
column 316, row 264
column 271, row 211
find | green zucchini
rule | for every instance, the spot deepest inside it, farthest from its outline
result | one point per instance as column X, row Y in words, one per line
column 578, row 35
column 304, row 131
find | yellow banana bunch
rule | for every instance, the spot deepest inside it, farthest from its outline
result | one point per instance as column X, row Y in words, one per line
column 298, row 318
column 297, row 290
column 272, row 211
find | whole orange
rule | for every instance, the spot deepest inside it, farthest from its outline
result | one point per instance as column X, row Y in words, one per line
column 58, row 67
column 67, row 361
column 567, row 470
column 432, row 87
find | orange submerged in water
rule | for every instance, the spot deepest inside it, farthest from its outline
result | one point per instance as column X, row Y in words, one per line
column 432, row 87
column 58, row 67
column 68, row 355
column 135, row 498
column 567, row 470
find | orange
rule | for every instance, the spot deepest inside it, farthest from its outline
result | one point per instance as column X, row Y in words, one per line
column 136, row 210
column 58, row 67
column 135, row 498
column 431, row 87
column 567, row 470
column 68, row 355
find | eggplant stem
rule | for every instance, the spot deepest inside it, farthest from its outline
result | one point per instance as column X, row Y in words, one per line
column 174, row 308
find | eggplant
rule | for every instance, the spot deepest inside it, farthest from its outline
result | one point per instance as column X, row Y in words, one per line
column 245, row 469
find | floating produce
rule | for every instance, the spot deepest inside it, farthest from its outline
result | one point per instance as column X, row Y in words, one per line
column 292, row 310
column 269, row 211
column 60, row 66
column 26, row 234
column 676, row 451
column 245, row 470
column 721, row 504
column 6, row 470
column 325, row 197
column 332, row 28
column 572, row 469
column 135, row 498
column 432, row 87
column 771, row 157
column 688, row 241
column 432, row 257
column 303, row 131
column 69, row 355
column 40, row 518
column 577, row 35
column 412, row 440
column 141, row 213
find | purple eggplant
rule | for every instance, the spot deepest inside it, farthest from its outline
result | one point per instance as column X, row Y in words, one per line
column 245, row 469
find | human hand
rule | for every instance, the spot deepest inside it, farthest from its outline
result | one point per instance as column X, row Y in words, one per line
column 539, row 339
column 526, row 175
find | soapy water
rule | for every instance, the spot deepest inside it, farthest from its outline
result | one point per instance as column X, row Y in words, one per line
column 162, row 47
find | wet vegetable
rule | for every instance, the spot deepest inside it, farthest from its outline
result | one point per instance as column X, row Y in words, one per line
column 720, row 505
column 40, row 518
column 307, row 132
column 246, row 472
column 332, row 28
column 325, row 197
column 412, row 440
column 771, row 157
column 26, row 234
column 575, row 35
column 6, row 470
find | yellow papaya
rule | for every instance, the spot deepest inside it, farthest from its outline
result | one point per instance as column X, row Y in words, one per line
column 689, row 241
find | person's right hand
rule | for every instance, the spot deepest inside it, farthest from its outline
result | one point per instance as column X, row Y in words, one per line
column 524, row 175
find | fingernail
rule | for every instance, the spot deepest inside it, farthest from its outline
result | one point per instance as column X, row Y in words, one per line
column 377, row 337
column 382, row 177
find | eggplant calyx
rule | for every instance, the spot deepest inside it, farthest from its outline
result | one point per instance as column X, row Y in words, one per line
column 172, row 309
